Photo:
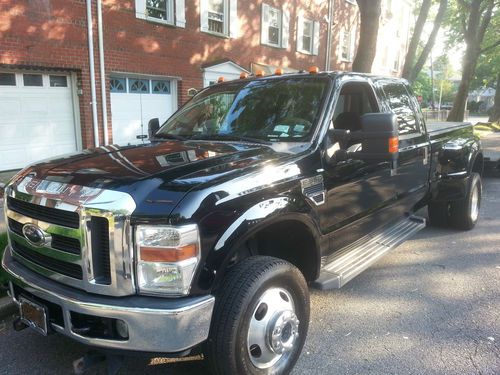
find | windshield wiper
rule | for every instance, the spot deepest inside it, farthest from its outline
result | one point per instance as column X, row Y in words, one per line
column 230, row 137
column 170, row 136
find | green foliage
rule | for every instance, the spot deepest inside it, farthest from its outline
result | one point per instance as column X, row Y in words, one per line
column 422, row 87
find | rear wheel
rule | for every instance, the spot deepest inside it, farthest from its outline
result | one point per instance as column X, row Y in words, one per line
column 260, row 320
column 465, row 212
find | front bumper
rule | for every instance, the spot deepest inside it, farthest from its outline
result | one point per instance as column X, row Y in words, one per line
column 157, row 325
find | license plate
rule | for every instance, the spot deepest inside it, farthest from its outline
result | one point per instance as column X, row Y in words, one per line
column 34, row 315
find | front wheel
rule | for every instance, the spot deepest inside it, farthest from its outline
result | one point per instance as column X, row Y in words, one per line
column 260, row 320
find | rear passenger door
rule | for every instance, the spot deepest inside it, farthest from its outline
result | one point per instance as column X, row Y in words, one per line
column 412, row 174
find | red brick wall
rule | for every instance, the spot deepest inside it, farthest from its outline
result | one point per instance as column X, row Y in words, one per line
column 53, row 34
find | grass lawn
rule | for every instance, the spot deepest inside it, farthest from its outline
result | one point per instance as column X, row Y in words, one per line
column 482, row 129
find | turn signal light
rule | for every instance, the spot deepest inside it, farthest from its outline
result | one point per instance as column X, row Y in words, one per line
column 259, row 73
column 314, row 70
column 243, row 75
column 220, row 80
column 393, row 145
column 164, row 254
column 278, row 71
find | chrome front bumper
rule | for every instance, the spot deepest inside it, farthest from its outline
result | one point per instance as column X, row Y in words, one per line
column 155, row 324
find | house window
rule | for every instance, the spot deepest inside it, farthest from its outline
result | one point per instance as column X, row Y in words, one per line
column 160, row 9
column 138, row 86
column 58, row 81
column 274, row 26
column 216, row 16
column 32, row 80
column 117, row 85
column 160, row 87
column 307, row 36
column 347, row 45
column 7, row 79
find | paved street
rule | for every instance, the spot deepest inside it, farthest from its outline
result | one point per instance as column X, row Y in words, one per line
column 430, row 307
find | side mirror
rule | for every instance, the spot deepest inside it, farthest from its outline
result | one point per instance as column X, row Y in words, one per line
column 379, row 137
column 153, row 126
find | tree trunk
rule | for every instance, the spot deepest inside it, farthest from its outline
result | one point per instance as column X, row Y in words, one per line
column 414, row 72
column 495, row 110
column 370, row 11
column 478, row 20
column 415, row 38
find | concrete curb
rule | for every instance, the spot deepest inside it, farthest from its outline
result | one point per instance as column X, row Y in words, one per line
column 7, row 307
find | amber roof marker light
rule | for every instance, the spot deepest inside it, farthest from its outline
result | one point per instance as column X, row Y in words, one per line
column 259, row 73
column 220, row 79
column 313, row 70
column 243, row 75
column 278, row 71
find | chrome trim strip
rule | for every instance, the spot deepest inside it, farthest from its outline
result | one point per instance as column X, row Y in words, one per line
column 155, row 328
column 114, row 206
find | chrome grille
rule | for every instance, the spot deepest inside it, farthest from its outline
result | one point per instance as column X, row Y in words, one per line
column 88, row 238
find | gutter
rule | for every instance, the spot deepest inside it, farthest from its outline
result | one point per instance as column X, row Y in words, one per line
column 90, row 36
column 103, row 73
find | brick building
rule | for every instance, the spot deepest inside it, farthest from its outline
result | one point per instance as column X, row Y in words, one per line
column 154, row 53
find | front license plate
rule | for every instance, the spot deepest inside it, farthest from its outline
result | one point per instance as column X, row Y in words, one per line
column 34, row 315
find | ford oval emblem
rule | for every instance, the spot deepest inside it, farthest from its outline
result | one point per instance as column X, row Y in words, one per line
column 34, row 234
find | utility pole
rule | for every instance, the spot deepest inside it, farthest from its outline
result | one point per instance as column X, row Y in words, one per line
column 432, row 83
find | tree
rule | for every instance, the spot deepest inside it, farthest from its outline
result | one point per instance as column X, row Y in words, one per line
column 471, row 20
column 495, row 111
column 370, row 11
column 411, row 69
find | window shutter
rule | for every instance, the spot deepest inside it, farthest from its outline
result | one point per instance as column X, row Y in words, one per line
column 264, row 25
column 203, row 15
column 285, row 29
column 234, row 22
column 316, row 41
column 352, row 40
column 180, row 13
column 300, row 33
column 140, row 9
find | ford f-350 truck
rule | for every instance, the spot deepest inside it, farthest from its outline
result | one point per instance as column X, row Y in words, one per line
column 206, row 238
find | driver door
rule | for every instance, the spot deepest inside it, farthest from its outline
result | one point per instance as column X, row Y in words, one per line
column 359, row 192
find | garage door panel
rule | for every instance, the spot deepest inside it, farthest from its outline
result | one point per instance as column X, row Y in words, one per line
column 35, row 123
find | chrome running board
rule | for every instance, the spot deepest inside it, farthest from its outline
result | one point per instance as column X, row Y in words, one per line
column 347, row 263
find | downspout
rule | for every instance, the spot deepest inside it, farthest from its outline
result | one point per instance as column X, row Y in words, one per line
column 329, row 36
column 90, row 36
column 103, row 73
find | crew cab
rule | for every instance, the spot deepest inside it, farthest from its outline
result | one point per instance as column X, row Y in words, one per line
column 207, row 237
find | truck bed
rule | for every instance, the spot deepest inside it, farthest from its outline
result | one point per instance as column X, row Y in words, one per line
column 437, row 128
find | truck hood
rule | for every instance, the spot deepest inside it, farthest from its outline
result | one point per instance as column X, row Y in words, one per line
column 156, row 175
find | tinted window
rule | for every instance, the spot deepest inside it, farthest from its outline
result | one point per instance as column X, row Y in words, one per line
column 32, row 80
column 400, row 103
column 58, row 81
column 273, row 110
column 7, row 79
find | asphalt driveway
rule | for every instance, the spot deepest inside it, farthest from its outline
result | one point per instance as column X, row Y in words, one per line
column 432, row 306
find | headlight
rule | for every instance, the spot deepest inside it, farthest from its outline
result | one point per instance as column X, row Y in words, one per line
column 166, row 258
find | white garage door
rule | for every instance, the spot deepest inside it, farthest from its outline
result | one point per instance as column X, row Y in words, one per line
column 36, row 118
column 135, row 101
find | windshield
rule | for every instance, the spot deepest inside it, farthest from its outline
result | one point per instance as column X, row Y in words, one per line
column 274, row 110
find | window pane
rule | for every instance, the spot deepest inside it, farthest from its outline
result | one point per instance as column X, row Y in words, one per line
column 216, row 6
column 274, row 35
column 58, row 81
column 157, row 9
column 306, row 42
column 216, row 16
column 7, row 79
column 400, row 104
column 32, row 80
column 308, row 28
column 138, row 86
column 160, row 87
column 117, row 85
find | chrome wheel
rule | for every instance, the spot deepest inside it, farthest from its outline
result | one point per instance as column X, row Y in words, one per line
column 273, row 329
column 474, row 203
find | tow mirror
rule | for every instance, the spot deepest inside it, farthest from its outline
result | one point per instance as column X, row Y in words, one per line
column 153, row 126
column 379, row 137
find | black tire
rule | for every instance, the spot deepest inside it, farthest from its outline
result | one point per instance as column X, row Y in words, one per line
column 438, row 213
column 463, row 213
column 236, row 307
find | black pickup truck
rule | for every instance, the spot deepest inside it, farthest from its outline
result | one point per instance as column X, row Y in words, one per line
column 206, row 238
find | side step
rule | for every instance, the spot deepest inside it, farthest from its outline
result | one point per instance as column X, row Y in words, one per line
column 347, row 263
